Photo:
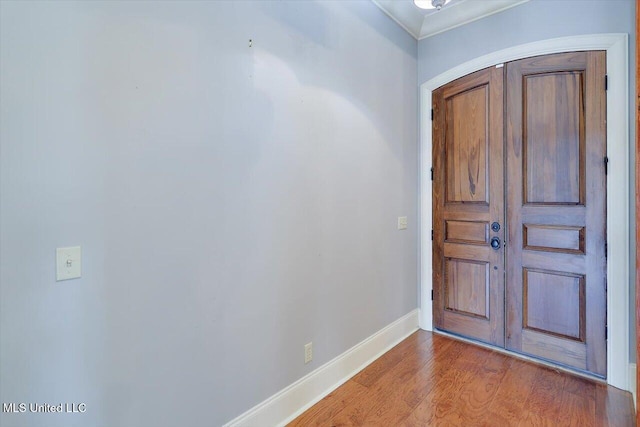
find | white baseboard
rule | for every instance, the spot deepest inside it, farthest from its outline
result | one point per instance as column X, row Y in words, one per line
column 293, row 400
column 632, row 382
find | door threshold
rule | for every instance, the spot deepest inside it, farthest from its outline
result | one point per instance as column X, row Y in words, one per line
column 559, row 368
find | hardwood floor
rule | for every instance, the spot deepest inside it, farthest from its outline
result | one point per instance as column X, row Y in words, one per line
column 430, row 379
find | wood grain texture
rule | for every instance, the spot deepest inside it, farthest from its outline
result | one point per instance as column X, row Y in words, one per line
column 566, row 352
column 552, row 160
column 611, row 408
column 556, row 207
column 553, row 238
column 468, row 279
column 432, row 380
column 466, row 286
column 466, row 152
column 474, row 232
column 553, row 137
column 554, row 303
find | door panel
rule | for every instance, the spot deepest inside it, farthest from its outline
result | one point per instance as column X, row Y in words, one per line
column 466, row 149
column 468, row 196
column 473, row 232
column 553, row 238
column 553, row 140
column 466, row 287
column 555, row 147
column 554, row 303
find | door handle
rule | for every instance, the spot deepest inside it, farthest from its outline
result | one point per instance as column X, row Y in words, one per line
column 495, row 243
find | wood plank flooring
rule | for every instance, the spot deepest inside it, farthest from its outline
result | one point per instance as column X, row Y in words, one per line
column 429, row 379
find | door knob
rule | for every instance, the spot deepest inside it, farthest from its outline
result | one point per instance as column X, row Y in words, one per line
column 495, row 243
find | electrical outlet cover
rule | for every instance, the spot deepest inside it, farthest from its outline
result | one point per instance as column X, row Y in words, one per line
column 308, row 352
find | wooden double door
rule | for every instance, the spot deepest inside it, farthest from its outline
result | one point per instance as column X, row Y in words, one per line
column 519, row 199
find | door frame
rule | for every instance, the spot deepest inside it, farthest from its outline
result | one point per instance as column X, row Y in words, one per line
column 616, row 46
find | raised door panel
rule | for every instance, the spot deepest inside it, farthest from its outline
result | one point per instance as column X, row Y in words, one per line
column 553, row 238
column 467, row 287
column 554, row 303
column 553, row 138
column 474, row 232
column 466, row 149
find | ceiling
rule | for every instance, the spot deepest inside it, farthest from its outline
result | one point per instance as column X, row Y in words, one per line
column 423, row 23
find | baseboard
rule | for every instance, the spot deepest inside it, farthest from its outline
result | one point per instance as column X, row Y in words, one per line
column 293, row 400
column 632, row 382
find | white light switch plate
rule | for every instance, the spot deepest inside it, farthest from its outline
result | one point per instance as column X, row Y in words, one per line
column 402, row 223
column 68, row 263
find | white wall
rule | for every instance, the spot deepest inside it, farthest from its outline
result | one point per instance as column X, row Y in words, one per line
column 533, row 21
column 232, row 202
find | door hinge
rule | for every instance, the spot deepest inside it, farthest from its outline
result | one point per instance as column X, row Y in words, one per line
column 432, row 114
column 606, row 250
column 431, row 174
column 431, row 294
column 606, row 82
column 431, row 234
column 606, row 165
column 606, row 329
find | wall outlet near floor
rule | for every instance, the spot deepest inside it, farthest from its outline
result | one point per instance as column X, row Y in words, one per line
column 308, row 352
column 402, row 223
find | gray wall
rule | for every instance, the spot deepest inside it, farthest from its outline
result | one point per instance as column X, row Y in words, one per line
column 232, row 203
column 532, row 21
